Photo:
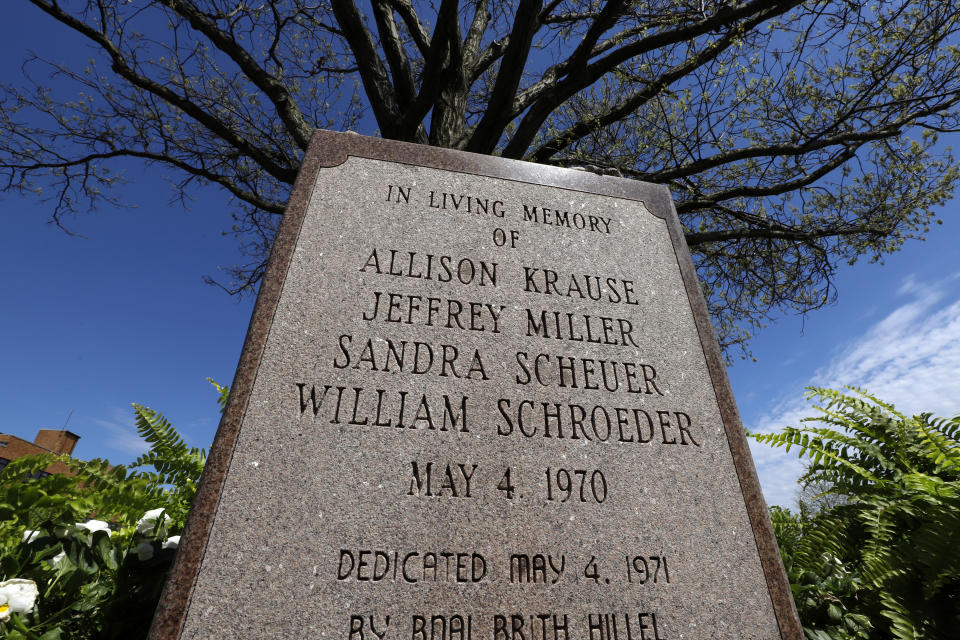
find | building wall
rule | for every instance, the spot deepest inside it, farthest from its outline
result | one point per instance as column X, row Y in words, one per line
column 47, row 441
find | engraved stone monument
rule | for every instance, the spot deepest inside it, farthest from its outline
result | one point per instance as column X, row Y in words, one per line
column 479, row 399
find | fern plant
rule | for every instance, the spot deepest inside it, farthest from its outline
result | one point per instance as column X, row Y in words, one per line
column 897, row 530
column 171, row 468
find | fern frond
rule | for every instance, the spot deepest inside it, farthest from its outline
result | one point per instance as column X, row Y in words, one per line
column 158, row 431
column 223, row 394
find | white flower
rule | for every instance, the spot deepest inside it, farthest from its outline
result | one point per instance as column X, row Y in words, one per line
column 18, row 596
column 94, row 526
column 147, row 525
column 57, row 558
column 172, row 542
column 144, row 551
column 30, row 535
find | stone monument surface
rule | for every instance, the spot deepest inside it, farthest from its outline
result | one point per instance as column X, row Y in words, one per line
column 479, row 399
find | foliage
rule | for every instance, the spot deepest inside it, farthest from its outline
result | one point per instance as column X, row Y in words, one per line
column 98, row 543
column 824, row 590
column 794, row 135
column 887, row 550
column 177, row 466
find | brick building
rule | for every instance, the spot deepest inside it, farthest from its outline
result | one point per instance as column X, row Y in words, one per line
column 47, row 441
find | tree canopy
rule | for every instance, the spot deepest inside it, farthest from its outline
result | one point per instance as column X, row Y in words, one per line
column 794, row 135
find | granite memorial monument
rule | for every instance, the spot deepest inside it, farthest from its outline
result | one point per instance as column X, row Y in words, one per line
column 480, row 399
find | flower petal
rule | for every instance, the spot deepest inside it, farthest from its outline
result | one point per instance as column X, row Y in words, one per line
column 94, row 526
column 148, row 524
column 21, row 594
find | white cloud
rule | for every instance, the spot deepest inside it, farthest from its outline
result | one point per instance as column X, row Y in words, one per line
column 121, row 432
column 910, row 358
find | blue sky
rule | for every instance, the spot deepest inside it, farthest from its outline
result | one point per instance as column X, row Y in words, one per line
column 895, row 331
column 91, row 324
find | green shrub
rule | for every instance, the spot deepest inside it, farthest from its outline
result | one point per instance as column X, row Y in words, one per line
column 883, row 558
column 97, row 544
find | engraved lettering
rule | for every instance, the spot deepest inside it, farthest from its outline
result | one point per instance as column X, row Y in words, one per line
column 579, row 286
column 538, row 568
column 597, row 423
column 376, row 355
column 427, row 266
column 385, row 408
column 454, row 481
column 586, row 373
column 543, row 626
column 410, row 567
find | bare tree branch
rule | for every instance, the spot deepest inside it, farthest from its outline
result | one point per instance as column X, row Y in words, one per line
column 273, row 88
column 122, row 68
column 396, row 56
column 487, row 131
column 548, row 98
column 478, row 26
column 414, row 26
column 375, row 79
column 633, row 102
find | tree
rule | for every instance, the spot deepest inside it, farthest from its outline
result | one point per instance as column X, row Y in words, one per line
column 794, row 135
column 883, row 558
